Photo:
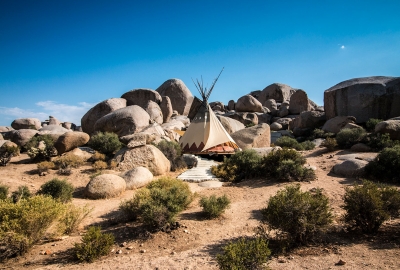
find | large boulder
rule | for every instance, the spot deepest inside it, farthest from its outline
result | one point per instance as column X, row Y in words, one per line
column 392, row 127
column 350, row 168
column 364, row 98
column 173, row 125
column 147, row 156
column 310, row 119
column 71, row 140
column 166, row 109
column 105, row 186
column 26, row 123
column 334, row 125
column 271, row 104
column 247, row 119
column 53, row 131
column 217, row 106
column 253, row 137
column 5, row 128
column 21, row 136
column 140, row 97
column 248, row 103
column 299, row 102
column 154, row 112
column 264, row 118
column 231, row 105
column 231, row 125
column 137, row 177
column 138, row 139
column 180, row 95
column 98, row 111
column 278, row 91
column 54, row 121
column 124, row 121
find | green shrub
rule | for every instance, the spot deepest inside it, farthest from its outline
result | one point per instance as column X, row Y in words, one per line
column 159, row 202
column 100, row 165
column 378, row 141
column 98, row 156
column 94, row 245
column 319, row 133
column 369, row 205
column 105, row 142
column 297, row 215
column 26, row 222
column 288, row 142
column 241, row 165
column 214, row 206
column 22, row 192
column 286, row 165
column 3, row 192
column 58, row 189
column 307, row 145
column 45, row 166
column 347, row 137
column 37, row 153
column 6, row 153
column 68, row 161
column 12, row 245
column 386, row 166
column 244, row 254
column 72, row 218
column 330, row 144
column 371, row 123
column 173, row 152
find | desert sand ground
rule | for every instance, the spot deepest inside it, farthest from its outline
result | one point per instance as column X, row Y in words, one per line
column 195, row 244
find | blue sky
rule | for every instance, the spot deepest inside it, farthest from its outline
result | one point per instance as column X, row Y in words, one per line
column 62, row 57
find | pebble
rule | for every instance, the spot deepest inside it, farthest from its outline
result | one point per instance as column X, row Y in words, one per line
column 142, row 251
column 119, row 251
column 340, row 262
column 129, row 248
column 173, row 253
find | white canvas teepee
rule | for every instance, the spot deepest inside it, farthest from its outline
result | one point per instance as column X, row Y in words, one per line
column 206, row 133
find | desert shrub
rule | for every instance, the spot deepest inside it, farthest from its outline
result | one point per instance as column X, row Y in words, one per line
column 45, row 152
column 288, row 142
column 371, row 123
column 173, row 152
column 12, row 245
column 307, row 145
column 94, row 245
column 68, row 161
column 6, row 153
column 297, row 215
column 378, row 141
column 60, row 190
column 98, row 156
column 112, row 164
column 386, row 166
column 72, row 218
column 330, row 144
column 214, row 206
column 45, row 166
column 286, row 164
column 22, row 192
column 26, row 222
column 369, row 205
column 244, row 254
column 105, row 142
column 239, row 166
column 159, row 202
column 100, row 165
column 3, row 192
column 347, row 137
column 319, row 133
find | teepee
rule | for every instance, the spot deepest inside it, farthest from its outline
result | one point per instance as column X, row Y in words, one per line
column 206, row 135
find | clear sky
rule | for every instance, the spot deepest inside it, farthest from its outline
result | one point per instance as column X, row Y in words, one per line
column 61, row 57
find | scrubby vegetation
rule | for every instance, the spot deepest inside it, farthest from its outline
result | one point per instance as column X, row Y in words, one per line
column 22, row 192
column 24, row 223
column 41, row 148
column 297, row 215
column 45, row 166
column 60, row 190
column 173, row 152
column 371, row 123
column 105, row 142
column 72, row 218
column 244, row 254
column 330, row 144
column 3, row 192
column 214, row 206
column 347, row 137
column 378, row 141
column 242, row 165
column 99, row 165
column 94, row 245
column 386, row 166
column 369, row 205
column 159, row 202
column 288, row 142
column 6, row 153
column 68, row 161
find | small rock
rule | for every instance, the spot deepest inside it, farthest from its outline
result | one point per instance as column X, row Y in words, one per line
column 141, row 245
column 281, row 261
column 42, row 252
column 340, row 262
column 142, row 251
column 129, row 248
column 113, row 250
column 173, row 253
column 47, row 252
column 124, row 244
column 119, row 251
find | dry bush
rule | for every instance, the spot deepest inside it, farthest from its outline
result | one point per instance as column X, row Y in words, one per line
column 45, row 166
